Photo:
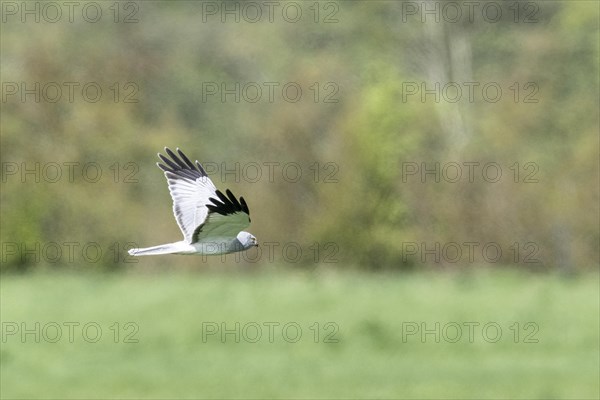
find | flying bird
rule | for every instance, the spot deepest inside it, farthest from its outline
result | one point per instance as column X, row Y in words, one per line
column 211, row 222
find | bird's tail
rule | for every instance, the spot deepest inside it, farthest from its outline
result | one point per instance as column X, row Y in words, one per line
column 170, row 248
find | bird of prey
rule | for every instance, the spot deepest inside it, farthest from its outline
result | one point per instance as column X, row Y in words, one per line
column 210, row 221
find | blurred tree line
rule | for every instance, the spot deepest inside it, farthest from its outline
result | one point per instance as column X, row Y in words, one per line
column 396, row 172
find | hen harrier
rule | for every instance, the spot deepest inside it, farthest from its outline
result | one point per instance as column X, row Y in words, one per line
column 211, row 222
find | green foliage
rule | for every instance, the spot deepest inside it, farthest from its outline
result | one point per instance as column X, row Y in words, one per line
column 369, row 209
column 374, row 216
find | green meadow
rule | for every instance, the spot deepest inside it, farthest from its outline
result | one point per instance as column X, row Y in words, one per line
column 490, row 334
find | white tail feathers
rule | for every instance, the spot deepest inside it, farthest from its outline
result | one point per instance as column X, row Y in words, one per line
column 170, row 248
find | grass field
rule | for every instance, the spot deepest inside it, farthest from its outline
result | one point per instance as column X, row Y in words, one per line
column 161, row 336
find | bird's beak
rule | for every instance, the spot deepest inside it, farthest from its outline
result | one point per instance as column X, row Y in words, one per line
column 256, row 245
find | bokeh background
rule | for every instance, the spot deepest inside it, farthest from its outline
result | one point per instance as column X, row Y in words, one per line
column 406, row 164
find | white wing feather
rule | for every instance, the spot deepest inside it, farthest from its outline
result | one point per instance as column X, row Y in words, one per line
column 189, row 202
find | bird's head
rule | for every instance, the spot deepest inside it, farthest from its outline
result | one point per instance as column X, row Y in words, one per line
column 247, row 239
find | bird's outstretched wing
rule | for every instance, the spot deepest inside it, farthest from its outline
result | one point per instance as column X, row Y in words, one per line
column 190, row 188
column 198, row 212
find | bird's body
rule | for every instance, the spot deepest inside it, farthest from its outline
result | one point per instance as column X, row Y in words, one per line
column 214, row 247
column 210, row 221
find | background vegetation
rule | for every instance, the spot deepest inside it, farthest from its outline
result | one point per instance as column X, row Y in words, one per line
column 361, row 201
column 378, row 243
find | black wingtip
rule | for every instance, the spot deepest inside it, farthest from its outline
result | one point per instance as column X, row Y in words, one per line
column 233, row 199
column 244, row 205
column 186, row 160
column 226, row 205
column 180, row 165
